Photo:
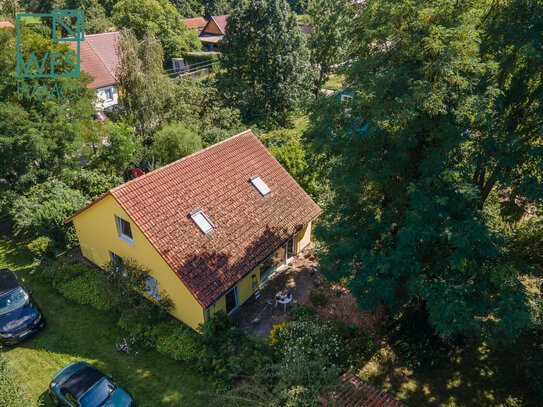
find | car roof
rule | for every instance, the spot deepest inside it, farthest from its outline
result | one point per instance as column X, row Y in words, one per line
column 8, row 281
column 81, row 381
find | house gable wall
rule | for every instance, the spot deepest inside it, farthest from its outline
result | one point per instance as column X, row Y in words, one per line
column 97, row 232
column 212, row 28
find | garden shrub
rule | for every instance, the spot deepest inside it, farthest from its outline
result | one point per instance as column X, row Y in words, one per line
column 301, row 311
column 311, row 339
column 42, row 210
column 91, row 183
column 63, row 271
column 177, row 341
column 229, row 352
column 318, row 297
column 87, row 288
column 42, row 248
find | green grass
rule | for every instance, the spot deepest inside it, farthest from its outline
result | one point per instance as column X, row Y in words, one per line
column 334, row 82
column 78, row 332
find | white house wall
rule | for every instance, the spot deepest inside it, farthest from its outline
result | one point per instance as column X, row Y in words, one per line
column 101, row 98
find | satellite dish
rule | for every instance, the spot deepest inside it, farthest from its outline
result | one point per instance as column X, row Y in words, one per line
column 136, row 172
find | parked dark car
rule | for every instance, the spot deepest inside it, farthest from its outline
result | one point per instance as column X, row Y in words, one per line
column 20, row 317
column 82, row 385
column 114, row 112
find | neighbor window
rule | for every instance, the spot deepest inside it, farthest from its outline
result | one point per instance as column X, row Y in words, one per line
column 260, row 185
column 109, row 93
column 202, row 221
column 125, row 232
column 346, row 98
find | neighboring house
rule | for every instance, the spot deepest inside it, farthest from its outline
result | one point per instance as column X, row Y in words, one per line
column 213, row 32
column 211, row 227
column 98, row 57
column 198, row 23
column 6, row 24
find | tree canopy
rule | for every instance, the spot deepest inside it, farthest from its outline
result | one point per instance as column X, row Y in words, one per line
column 405, row 224
column 160, row 18
column 266, row 59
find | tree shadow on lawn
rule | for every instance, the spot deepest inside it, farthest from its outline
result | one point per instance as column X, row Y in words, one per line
column 78, row 332
column 477, row 377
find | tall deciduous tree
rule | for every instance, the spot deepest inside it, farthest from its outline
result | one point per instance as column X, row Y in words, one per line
column 147, row 92
column 266, row 59
column 507, row 146
column 328, row 42
column 160, row 18
column 404, row 224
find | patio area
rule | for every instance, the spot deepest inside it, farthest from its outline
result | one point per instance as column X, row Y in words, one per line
column 299, row 280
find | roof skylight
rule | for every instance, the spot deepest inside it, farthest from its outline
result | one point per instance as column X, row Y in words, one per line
column 260, row 185
column 199, row 217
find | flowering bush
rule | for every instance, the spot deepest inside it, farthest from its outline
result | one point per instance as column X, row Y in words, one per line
column 127, row 345
column 310, row 339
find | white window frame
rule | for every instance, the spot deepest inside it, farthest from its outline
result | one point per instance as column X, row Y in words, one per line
column 202, row 221
column 260, row 185
column 151, row 287
column 106, row 93
column 118, row 263
column 346, row 98
column 122, row 236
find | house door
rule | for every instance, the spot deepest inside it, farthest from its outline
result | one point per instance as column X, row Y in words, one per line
column 231, row 300
column 291, row 247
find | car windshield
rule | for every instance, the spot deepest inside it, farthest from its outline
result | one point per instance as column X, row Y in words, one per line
column 97, row 394
column 12, row 300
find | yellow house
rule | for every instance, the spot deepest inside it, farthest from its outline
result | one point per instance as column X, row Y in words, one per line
column 210, row 228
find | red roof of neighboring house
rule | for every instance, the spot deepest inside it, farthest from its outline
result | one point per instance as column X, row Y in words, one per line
column 197, row 22
column 249, row 227
column 4, row 24
column 360, row 393
column 99, row 58
column 221, row 22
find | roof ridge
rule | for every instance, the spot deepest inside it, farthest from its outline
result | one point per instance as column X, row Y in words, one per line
column 123, row 185
column 109, row 32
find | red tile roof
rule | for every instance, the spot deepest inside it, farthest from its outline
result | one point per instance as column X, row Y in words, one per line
column 99, row 58
column 360, row 393
column 197, row 22
column 4, row 24
column 221, row 22
column 249, row 227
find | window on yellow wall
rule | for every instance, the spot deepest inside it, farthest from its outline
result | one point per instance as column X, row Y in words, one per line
column 124, row 229
column 151, row 287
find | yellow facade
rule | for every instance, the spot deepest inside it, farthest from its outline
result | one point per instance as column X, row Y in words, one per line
column 303, row 238
column 97, row 232
column 98, row 236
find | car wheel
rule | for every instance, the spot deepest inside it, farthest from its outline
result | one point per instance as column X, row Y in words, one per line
column 55, row 401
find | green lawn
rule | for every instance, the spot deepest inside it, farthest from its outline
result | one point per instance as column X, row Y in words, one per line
column 77, row 332
column 334, row 82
